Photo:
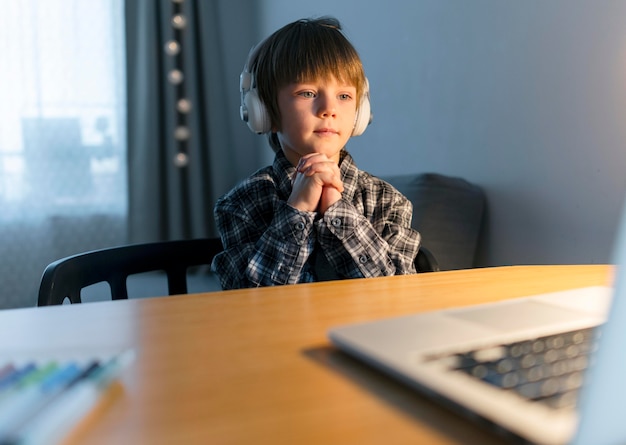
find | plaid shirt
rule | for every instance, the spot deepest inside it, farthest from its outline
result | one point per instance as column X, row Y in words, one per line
column 267, row 242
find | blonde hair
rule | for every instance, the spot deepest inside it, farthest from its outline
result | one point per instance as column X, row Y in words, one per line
column 302, row 51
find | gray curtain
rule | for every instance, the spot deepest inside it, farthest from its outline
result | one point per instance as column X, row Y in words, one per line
column 167, row 201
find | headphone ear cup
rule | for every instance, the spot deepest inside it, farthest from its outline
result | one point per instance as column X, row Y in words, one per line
column 363, row 117
column 257, row 116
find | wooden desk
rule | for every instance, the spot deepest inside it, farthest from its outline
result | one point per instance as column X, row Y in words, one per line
column 255, row 366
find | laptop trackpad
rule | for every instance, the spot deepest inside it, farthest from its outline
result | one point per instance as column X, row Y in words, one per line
column 517, row 315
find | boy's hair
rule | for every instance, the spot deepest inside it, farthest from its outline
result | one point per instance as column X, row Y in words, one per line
column 305, row 50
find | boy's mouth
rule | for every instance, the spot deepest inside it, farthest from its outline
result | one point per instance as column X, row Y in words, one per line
column 324, row 131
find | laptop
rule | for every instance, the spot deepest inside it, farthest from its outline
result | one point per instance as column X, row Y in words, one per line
column 546, row 369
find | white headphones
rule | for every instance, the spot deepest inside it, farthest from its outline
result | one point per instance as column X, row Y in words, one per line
column 253, row 112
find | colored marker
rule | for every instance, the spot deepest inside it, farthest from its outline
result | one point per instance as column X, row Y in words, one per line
column 54, row 421
column 25, row 403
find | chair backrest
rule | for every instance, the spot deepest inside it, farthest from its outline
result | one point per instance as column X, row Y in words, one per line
column 448, row 212
column 65, row 278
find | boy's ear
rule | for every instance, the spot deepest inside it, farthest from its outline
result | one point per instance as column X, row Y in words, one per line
column 364, row 113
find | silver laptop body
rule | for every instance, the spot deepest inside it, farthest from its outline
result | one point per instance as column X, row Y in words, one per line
column 498, row 360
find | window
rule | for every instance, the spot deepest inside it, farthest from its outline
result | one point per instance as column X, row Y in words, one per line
column 62, row 135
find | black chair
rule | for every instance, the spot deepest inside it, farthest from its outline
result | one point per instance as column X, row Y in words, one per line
column 425, row 261
column 65, row 278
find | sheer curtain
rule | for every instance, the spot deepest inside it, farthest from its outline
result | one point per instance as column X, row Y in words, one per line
column 62, row 136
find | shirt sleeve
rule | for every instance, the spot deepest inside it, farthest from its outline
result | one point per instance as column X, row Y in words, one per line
column 381, row 245
column 259, row 254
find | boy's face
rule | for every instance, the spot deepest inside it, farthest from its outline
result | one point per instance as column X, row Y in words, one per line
column 316, row 117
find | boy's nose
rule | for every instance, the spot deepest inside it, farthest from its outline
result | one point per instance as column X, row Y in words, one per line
column 326, row 106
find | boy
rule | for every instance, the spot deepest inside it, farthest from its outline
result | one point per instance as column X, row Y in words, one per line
column 312, row 215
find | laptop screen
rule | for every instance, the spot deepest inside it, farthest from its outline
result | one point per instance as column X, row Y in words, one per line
column 604, row 393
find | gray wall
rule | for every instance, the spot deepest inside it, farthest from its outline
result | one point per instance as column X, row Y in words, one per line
column 526, row 99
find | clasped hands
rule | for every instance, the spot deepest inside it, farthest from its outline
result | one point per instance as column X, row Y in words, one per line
column 316, row 185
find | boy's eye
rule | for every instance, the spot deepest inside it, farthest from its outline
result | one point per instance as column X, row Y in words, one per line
column 307, row 94
column 345, row 96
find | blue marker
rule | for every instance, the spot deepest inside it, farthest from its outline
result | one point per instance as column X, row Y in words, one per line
column 14, row 377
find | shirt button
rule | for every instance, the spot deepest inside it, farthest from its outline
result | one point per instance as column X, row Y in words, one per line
column 336, row 222
column 299, row 226
column 363, row 259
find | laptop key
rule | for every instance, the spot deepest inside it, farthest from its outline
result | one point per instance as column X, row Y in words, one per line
column 546, row 370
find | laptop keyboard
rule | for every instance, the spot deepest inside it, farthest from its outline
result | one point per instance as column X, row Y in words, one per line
column 547, row 369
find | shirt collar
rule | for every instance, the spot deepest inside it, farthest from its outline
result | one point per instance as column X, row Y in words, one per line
column 349, row 175
column 283, row 172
